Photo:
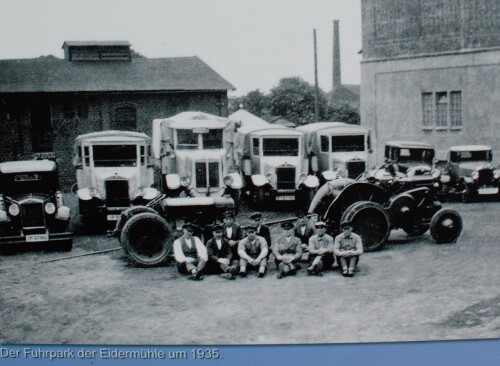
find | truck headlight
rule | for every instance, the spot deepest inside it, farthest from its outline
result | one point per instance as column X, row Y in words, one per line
column 185, row 181
column 496, row 174
column 93, row 191
column 302, row 177
column 435, row 173
column 228, row 180
column 14, row 209
column 269, row 176
column 50, row 208
column 475, row 175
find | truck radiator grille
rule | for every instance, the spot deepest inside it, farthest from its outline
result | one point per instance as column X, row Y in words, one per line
column 485, row 176
column 117, row 193
column 285, row 177
column 207, row 174
column 32, row 215
column 355, row 168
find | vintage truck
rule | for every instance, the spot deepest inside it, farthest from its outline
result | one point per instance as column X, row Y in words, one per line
column 32, row 210
column 336, row 149
column 469, row 172
column 113, row 172
column 273, row 161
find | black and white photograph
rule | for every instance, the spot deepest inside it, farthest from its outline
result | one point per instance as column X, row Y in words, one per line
column 236, row 172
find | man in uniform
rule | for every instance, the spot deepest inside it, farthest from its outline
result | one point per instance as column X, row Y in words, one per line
column 262, row 230
column 220, row 255
column 232, row 232
column 287, row 251
column 321, row 250
column 348, row 247
column 303, row 231
column 190, row 253
column 253, row 252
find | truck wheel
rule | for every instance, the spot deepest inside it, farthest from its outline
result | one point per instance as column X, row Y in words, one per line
column 446, row 226
column 260, row 199
column 146, row 239
column 126, row 215
column 370, row 221
column 65, row 245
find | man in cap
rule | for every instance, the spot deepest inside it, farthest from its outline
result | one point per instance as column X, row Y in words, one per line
column 348, row 247
column 220, row 255
column 190, row 253
column 253, row 251
column 287, row 251
column 232, row 232
column 321, row 250
column 262, row 230
column 303, row 231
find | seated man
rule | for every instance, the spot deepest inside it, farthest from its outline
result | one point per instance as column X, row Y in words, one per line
column 287, row 251
column 232, row 232
column 321, row 250
column 348, row 247
column 262, row 230
column 190, row 253
column 253, row 252
column 220, row 255
column 303, row 231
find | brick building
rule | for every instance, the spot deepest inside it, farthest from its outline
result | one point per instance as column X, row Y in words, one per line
column 46, row 102
column 430, row 72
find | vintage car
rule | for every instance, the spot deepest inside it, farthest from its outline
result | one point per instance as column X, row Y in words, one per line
column 336, row 149
column 469, row 173
column 273, row 162
column 196, row 167
column 409, row 155
column 375, row 211
column 113, row 172
column 32, row 210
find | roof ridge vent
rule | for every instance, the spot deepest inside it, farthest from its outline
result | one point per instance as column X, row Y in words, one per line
column 97, row 51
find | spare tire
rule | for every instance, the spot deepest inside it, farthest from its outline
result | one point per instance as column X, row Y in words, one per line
column 146, row 239
column 370, row 221
column 446, row 226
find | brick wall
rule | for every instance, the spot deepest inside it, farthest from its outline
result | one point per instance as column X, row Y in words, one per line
column 394, row 27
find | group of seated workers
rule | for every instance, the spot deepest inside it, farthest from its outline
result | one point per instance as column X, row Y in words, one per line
column 233, row 250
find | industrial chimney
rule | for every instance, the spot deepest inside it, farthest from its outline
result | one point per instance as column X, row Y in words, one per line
column 336, row 81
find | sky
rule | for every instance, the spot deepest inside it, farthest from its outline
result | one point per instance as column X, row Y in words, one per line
column 250, row 43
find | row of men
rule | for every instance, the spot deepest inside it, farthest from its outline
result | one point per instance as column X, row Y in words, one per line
column 230, row 253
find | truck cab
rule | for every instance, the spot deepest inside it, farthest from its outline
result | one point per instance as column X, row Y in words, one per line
column 190, row 150
column 113, row 172
column 336, row 149
column 273, row 161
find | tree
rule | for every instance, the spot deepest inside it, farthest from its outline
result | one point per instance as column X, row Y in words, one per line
column 343, row 112
column 254, row 102
column 293, row 99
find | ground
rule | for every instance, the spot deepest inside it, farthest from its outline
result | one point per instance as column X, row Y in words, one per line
column 413, row 290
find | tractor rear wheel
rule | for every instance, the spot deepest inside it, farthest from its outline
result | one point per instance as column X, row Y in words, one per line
column 370, row 221
column 146, row 239
column 127, row 214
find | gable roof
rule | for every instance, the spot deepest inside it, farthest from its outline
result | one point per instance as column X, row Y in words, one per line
column 139, row 74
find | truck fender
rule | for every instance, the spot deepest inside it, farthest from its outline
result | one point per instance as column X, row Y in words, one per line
column 84, row 194
column 259, row 180
column 150, row 193
column 173, row 181
column 468, row 180
column 237, row 181
column 329, row 175
column 311, row 181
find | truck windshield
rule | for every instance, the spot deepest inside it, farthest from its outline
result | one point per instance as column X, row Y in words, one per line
column 475, row 155
column 416, row 155
column 115, row 155
column 348, row 143
column 187, row 140
column 280, row 147
column 212, row 139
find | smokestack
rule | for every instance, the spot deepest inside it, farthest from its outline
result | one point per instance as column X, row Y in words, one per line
column 336, row 80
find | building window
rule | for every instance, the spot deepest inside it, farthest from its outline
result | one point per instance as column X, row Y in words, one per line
column 442, row 110
column 124, row 118
column 456, row 109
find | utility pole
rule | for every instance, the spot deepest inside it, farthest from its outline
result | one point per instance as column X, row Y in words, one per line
column 316, row 90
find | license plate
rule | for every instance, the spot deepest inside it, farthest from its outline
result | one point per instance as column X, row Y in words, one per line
column 493, row 190
column 285, row 198
column 37, row 237
column 113, row 217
